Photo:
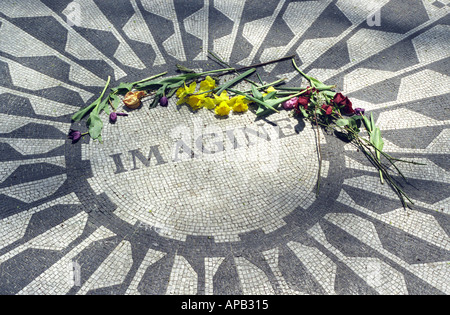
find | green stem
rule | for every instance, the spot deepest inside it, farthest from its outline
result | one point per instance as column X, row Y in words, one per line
column 300, row 71
column 266, row 85
column 228, row 65
column 106, row 87
column 216, row 71
column 319, row 151
column 150, row 78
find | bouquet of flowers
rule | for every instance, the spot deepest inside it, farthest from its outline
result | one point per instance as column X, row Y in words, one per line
column 319, row 103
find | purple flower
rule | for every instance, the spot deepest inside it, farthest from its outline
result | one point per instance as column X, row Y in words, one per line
column 359, row 111
column 74, row 135
column 113, row 117
column 164, row 101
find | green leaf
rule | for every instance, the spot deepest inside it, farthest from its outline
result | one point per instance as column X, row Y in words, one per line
column 342, row 122
column 184, row 69
column 372, row 122
column 104, row 105
column 303, row 111
column 235, row 80
column 376, row 139
column 313, row 81
column 115, row 101
column 367, row 124
column 83, row 112
column 123, row 88
column 95, row 125
column 256, row 94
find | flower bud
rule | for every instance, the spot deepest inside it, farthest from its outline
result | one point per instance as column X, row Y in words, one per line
column 164, row 101
column 359, row 111
column 74, row 135
column 113, row 117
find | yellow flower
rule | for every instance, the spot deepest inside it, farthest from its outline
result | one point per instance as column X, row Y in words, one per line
column 223, row 109
column 207, row 84
column 222, row 98
column 270, row 89
column 209, row 103
column 183, row 92
column 196, row 101
column 239, row 104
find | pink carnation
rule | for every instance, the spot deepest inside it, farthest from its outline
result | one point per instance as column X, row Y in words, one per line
column 290, row 104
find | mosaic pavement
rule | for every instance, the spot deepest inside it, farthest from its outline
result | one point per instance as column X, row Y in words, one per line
column 180, row 203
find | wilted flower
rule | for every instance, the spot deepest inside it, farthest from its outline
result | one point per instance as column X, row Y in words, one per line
column 309, row 91
column 359, row 111
column 74, row 135
column 133, row 99
column 164, row 101
column 290, row 104
column 328, row 109
column 343, row 102
column 303, row 101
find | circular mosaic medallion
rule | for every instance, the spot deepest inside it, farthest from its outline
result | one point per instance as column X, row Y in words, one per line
column 186, row 173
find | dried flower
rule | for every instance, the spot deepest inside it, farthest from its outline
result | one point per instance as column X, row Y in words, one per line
column 133, row 99
column 303, row 101
column 328, row 109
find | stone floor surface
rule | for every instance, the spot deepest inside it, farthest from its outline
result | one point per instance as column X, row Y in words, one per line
column 181, row 202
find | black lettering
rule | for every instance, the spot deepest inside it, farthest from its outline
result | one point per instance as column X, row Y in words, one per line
column 201, row 147
column 138, row 154
column 263, row 135
column 182, row 147
column 118, row 162
column 287, row 127
column 154, row 150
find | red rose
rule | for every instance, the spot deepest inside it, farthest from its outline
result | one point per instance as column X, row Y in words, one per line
column 344, row 103
column 303, row 101
column 309, row 91
column 327, row 108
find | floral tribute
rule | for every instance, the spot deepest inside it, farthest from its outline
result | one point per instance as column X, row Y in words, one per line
column 318, row 103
